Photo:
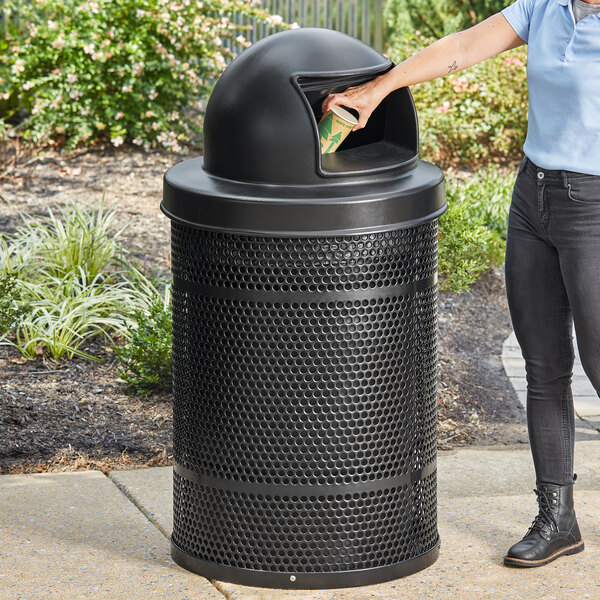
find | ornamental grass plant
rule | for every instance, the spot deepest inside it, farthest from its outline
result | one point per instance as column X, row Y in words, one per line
column 67, row 241
column 67, row 279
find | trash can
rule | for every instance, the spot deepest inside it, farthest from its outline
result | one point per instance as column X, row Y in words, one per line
column 304, row 329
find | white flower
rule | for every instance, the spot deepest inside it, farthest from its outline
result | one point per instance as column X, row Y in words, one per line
column 52, row 25
column 28, row 85
column 71, row 77
column 94, row 7
column 33, row 30
column 89, row 48
column 117, row 141
column 218, row 41
column 119, row 115
column 97, row 56
column 137, row 141
column 127, row 88
column 140, row 14
column 5, row 95
column 18, row 67
column 74, row 94
column 58, row 43
column 155, row 125
column 240, row 39
column 295, row 25
column 153, row 94
column 221, row 64
column 275, row 19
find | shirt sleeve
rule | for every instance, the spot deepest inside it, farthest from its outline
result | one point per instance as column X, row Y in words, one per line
column 518, row 14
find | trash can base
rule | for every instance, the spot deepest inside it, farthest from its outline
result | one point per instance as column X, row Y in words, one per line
column 303, row 580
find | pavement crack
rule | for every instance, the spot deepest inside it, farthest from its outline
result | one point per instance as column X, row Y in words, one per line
column 219, row 586
column 140, row 507
column 123, row 489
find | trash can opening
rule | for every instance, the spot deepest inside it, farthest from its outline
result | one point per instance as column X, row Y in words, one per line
column 389, row 140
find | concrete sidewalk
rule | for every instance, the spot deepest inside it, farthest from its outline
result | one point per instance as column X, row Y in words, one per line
column 86, row 535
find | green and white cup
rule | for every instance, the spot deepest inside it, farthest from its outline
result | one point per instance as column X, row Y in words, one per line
column 334, row 127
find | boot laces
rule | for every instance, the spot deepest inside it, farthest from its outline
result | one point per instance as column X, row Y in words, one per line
column 545, row 517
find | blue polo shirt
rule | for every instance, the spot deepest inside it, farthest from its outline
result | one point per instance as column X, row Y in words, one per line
column 563, row 75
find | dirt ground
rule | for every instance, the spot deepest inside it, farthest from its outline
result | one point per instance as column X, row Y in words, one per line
column 76, row 414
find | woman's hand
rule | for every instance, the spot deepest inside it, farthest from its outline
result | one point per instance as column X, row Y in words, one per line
column 363, row 98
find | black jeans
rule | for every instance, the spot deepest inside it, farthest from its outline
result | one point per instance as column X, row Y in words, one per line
column 553, row 280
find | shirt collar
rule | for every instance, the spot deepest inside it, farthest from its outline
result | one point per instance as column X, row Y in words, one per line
column 563, row 2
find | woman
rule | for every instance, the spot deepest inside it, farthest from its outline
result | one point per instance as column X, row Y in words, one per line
column 553, row 243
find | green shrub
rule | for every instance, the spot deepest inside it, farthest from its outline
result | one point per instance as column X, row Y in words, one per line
column 117, row 70
column 146, row 358
column 436, row 18
column 11, row 307
column 486, row 196
column 465, row 248
column 472, row 233
column 474, row 116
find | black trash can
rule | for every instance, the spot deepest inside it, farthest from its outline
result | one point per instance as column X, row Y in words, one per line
column 304, row 329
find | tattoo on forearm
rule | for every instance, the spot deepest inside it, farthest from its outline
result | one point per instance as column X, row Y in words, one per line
column 452, row 67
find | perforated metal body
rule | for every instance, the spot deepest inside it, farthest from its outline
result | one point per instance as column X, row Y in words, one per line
column 304, row 376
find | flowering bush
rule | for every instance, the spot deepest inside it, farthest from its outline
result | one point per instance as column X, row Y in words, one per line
column 117, row 69
column 475, row 115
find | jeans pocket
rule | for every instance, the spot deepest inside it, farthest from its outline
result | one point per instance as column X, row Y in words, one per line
column 585, row 190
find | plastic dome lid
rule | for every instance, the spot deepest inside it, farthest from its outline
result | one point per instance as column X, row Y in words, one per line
column 259, row 125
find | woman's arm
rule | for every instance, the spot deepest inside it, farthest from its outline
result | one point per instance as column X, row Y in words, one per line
column 449, row 54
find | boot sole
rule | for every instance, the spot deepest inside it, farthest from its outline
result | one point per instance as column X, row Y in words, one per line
column 521, row 562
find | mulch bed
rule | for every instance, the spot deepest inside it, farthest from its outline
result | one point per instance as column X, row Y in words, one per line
column 76, row 414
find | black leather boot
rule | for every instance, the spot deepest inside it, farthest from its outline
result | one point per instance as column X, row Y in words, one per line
column 553, row 533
